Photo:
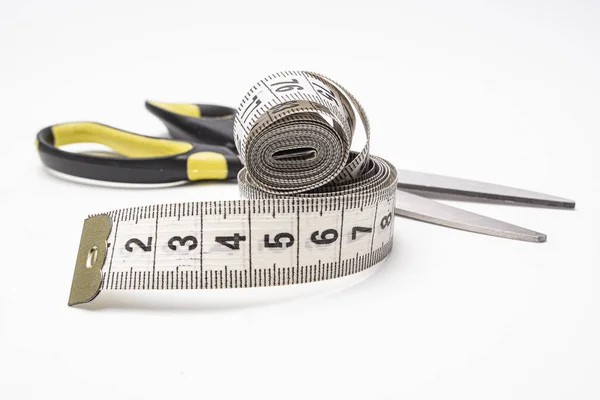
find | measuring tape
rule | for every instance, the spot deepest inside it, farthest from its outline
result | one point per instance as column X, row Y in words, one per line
column 313, row 209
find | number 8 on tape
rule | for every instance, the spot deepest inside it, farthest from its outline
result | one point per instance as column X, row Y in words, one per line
column 313, row 209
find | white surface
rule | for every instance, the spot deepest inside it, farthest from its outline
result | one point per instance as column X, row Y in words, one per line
column 504, row 91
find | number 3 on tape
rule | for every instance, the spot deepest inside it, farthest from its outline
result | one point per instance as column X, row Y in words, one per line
column 313, row 209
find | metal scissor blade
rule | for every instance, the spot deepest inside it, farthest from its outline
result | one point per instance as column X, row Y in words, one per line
column 430, row 183
column 420, row 208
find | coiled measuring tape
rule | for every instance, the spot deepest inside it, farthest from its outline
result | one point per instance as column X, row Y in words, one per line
column 313, row 209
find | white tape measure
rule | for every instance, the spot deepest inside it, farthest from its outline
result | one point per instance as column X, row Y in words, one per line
column 315, row 210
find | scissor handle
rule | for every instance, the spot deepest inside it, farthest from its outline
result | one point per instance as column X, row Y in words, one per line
column 141, row 159
column 198, row 123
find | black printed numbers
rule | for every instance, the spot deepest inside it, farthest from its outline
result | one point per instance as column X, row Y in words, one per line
column 326, row 237
column 386, row 221
column 286, row 86
column 190, row 241
column 250, row 108
column 328, row 94
column 233, row 242
column 357, row 229
column 138, row 242
column 280, row 240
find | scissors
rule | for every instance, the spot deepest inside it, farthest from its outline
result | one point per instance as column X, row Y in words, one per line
column 203, row 148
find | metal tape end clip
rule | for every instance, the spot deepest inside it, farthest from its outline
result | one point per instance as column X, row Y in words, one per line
column 87, row 277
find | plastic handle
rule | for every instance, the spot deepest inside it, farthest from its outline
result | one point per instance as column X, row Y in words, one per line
column 140, row 159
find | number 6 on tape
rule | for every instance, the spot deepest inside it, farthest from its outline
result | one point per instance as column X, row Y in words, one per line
column 314, row 209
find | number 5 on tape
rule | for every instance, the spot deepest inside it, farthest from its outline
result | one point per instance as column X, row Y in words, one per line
column 231, row 244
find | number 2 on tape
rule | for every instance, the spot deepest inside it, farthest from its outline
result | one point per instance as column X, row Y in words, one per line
column 313, row 209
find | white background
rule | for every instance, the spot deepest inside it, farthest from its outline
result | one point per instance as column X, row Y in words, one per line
column 500, row 91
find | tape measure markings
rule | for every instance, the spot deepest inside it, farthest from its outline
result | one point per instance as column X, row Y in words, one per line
column 140, row 241
column 314, row 209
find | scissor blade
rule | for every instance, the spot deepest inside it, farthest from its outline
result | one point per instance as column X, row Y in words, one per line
column 420, row 208
column 430, row 183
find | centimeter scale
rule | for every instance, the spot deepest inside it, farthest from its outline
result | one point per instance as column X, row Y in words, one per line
column 313, row 208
